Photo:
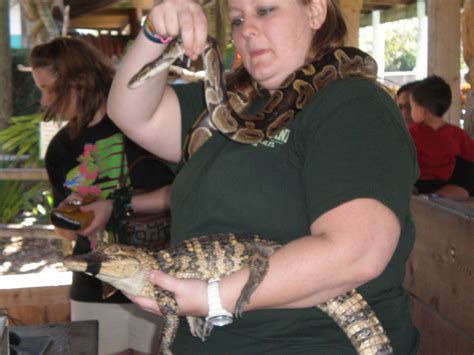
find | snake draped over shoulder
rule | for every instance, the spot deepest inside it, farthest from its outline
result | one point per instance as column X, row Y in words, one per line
column 280, row 109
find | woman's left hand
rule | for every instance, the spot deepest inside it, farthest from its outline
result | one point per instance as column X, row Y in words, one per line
column 102, row 211
column 190, row 294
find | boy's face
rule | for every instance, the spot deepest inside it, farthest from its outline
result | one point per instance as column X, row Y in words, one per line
column 404, row 105
column 417, row 111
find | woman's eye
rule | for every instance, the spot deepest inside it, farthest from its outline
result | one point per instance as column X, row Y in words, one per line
column 264, row 11
column 237, row 21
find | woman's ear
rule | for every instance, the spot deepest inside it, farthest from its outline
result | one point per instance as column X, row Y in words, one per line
column 317, row 13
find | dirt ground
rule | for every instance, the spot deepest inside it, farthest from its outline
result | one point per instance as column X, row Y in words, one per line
column 20, row 255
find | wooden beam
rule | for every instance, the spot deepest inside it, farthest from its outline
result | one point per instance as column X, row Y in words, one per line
column 390, row 15
column 81, row 7
column 44, row 231
column 23, row 174
column 101, row 22
column 387, row 3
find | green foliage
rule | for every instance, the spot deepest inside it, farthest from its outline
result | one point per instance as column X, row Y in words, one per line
column 22, row 138
column 23, row 198
column 401, row 43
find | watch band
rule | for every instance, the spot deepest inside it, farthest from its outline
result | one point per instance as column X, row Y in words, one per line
column 217, row 315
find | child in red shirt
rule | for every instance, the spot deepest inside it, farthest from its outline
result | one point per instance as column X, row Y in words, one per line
column 438, row 143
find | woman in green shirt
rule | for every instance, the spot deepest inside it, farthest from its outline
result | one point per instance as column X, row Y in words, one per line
column 333, row 186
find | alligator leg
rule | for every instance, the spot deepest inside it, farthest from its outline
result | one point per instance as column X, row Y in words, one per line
column 169, row 310
column 258, row 266
column 199, row 327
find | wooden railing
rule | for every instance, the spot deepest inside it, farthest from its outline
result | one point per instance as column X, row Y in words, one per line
column 45, row 231
column 440, row 275
column 38, row 174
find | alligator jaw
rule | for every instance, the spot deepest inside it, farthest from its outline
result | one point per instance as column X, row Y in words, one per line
column 125, row 268
column 83, row 264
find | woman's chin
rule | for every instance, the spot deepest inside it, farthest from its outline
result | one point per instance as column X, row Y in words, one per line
column 269, row 82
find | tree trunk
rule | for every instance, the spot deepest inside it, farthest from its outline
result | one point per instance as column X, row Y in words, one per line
column 5, row 65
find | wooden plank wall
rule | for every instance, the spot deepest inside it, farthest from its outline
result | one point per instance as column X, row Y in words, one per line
column 36, row 305
column 440, row 278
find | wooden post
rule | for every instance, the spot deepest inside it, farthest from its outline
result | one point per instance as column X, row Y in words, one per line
column 379, row 43
column 444, row 49
column 467, row 30
column 6, row 105
column 143, row 4
column 422, row 50
column 351, row 12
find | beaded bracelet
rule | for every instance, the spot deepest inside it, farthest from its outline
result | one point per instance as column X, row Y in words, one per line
column 150, row 33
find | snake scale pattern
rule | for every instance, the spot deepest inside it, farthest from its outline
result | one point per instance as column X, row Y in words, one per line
column 280, row 109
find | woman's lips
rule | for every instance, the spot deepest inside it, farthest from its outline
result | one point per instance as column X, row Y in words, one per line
column 258, row 52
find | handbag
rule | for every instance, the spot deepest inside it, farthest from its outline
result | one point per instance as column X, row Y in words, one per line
column 146, row 230
column 70, row 216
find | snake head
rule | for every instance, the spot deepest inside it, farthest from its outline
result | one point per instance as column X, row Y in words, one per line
column 174, row 51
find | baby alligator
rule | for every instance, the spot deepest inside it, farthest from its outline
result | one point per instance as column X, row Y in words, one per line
column 212, row 257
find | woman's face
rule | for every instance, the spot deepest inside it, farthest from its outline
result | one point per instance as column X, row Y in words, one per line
column 272, row 37
column 44, row 79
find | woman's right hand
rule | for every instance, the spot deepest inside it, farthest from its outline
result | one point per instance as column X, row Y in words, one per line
column 182, row 17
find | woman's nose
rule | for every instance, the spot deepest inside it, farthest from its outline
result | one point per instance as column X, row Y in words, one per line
column 249, row 28
column 44, row 100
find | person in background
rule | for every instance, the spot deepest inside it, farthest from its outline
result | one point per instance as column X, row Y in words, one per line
column 86, row 158
column 403, row 100
column 333, row 187
column 437, row 142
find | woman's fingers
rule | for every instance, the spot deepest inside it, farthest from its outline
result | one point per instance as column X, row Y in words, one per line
column 147, row 304
column 102, row 211
column 200, row 32
column 73, row 198
column 184, row 18
column 193, row 26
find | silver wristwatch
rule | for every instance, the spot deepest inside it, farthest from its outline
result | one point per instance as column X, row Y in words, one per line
column 217, row 316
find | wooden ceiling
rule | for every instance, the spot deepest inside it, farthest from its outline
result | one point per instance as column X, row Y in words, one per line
column 115, row 14
column 371, row 5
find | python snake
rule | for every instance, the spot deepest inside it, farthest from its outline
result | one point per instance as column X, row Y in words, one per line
column 279, row 110
column 350, row 310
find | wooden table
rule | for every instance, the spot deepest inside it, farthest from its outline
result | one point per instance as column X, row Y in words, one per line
column 78, row 338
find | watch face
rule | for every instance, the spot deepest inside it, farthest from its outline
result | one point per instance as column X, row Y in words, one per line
column 220, row 321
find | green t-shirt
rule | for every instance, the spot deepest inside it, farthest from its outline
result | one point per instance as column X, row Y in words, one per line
column 348, row 142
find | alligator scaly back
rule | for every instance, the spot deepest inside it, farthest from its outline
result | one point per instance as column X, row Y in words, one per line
column 213, row 257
